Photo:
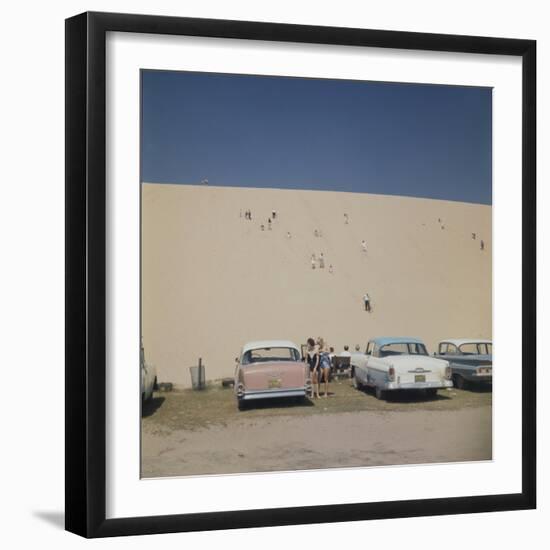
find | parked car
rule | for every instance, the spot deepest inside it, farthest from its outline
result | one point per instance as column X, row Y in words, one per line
column 270, row 369
column 390, row 364
column 148, row 377
column 471, row 360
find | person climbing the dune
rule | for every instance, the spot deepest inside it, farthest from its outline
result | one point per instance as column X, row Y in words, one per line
column 366, row 300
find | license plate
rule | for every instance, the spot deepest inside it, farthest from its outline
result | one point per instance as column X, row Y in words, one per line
column 275, row 383
column 420, row 378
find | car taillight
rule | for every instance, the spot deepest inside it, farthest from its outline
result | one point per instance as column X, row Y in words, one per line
column 391, row 374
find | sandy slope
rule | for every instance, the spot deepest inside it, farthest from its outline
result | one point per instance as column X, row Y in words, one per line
column 212, row 280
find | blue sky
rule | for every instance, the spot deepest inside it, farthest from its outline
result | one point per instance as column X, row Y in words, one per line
column 296, row 133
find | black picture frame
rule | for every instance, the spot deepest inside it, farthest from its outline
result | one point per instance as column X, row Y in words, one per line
column 86, row 274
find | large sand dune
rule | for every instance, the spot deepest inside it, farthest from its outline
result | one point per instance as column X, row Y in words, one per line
column 212, row 280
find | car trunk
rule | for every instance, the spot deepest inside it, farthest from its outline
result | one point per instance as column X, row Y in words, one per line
column 274, row 375
column 417, row 368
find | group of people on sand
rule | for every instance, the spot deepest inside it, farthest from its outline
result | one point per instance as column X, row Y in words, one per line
column 248, row 216
column 318, row 358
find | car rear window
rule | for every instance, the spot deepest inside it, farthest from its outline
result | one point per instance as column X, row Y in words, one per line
column 407, row 348
column 263, row 355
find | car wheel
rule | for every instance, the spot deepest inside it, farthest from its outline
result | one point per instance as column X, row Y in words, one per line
column 459, row 382
column 380, row 394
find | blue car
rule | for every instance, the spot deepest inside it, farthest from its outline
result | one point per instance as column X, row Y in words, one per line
column 471, row 360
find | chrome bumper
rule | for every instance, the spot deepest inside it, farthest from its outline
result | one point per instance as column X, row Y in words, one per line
column 417, row 385
column 269, row 394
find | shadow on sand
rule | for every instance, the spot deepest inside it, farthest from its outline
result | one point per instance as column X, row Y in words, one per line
column 283, row 403
column 479, row 388
column 151, row 406
column 411, row 396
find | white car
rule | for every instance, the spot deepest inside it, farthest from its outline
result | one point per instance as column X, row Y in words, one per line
column 390, row 364
column 148, row 377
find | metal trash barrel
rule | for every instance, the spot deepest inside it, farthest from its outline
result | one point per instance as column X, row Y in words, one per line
column 198, row 376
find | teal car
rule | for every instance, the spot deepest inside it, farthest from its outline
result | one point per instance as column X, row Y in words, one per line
column 471, row 360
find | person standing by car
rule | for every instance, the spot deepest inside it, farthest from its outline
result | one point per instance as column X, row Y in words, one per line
column 324, row 364
column 312, row 358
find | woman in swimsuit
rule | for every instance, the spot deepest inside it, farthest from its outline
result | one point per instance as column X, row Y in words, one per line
column 312, row 358
column 324, row 363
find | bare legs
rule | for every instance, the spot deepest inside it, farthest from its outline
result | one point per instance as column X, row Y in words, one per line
column 315, row 383
column 324, row 376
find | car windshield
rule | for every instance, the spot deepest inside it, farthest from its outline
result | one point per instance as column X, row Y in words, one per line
column 404, row 348
column 262, row 355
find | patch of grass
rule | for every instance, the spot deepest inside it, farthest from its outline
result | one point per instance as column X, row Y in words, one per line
column 191, row 410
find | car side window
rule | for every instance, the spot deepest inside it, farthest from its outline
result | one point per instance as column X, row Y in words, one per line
column 468, row 349
column 370, row 348
column 442, row 349
column 451, row 349
column 482, row 349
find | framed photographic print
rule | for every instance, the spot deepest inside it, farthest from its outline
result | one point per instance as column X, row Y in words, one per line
column 293, row 255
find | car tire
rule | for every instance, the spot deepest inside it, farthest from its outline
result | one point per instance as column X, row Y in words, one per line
column 380, row 393
column 459, row 382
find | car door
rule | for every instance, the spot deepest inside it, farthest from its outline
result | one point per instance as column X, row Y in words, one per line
column 367, row 378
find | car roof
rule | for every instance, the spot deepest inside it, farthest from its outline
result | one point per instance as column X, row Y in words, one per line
column 460, row 341
column 258, row 344
column 382, row 341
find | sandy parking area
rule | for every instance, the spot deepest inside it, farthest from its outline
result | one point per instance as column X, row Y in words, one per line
column 190, row 433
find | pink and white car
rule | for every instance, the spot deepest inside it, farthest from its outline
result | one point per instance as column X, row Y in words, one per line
column 270, row 369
